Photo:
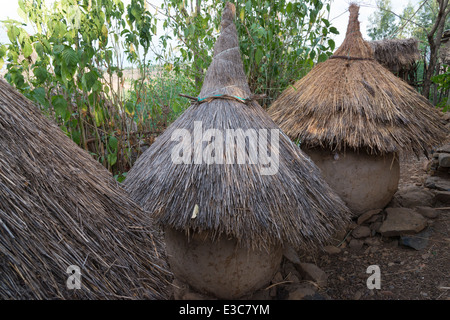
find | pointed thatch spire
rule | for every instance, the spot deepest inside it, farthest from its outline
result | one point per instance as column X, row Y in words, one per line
column 61, row 208
column 354, row 44
column 351, row 101
column 226, row 73
column 291, row 206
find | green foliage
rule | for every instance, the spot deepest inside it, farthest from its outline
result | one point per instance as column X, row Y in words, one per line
column 383, row 22
column 443, row 83
column 72, row 68
column 412, row 22
column 406, row 25
column 158, row 101
column 424, row 21
column 279, row 40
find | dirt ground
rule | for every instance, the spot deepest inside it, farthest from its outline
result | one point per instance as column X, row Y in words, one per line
column 406, row 273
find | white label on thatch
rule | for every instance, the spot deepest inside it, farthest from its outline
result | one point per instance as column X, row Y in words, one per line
column 229, row 146
column 195, row 212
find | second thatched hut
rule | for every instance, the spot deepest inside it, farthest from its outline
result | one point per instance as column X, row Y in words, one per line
column 67, row 228
column 229, row 188
column 354, row 117
column 398, row 55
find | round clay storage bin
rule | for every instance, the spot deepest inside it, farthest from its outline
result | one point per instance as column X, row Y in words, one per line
column 364, row 182
column 220, row 268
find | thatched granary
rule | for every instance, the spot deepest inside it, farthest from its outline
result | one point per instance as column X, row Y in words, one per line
column 226, row 221
column 397, row 55
column 60, row 208
column 353, row 117
column 444, row 51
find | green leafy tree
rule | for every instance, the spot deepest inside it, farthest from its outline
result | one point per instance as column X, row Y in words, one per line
column 279, row 40
column 383, row 22
column 407, row 22
column 72, row 67
column 433, row 19
column 443, row 83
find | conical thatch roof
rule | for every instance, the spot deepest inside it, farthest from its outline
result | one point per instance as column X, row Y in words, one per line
column 293, row 206
column 350, row 100
column 59, row 207
column 396, row 54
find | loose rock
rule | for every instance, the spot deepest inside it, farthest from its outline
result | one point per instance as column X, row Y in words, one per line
column 428, row 212
column 292, row 278
column 413, row 196
column 356, row 244
column 366, row 216
column 443, row 149
column 312, row 272
column 438, row 183
column 338, row 237
column 401, row 221
column 291, row 254
column 290, row 270
column 418, row 241
column 372, row 241
column 277, row 278
column 361, row 232
column 375, row 218
column 375, row 226
column 442, row 197
column 444, row 160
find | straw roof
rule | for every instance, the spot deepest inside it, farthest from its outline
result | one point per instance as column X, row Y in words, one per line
column 444, row 51
column 396, row 54
column 350, row 100
column 59, row 207
column 293, row 206
column 445, row 36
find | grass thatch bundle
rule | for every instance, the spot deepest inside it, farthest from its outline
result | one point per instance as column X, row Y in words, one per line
column 444, row 51
column 445, row 36
column 59, row 207
column 351, row 100
column 293, row 206
column 396, row 54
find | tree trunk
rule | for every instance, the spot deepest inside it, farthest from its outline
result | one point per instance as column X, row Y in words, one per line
column 434, row 39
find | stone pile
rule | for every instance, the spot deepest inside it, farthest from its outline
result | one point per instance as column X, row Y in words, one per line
column 439, row 173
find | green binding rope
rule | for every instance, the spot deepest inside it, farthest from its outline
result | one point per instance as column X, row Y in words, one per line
column 218, row 96
column 350, row 58
column 222, row 96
